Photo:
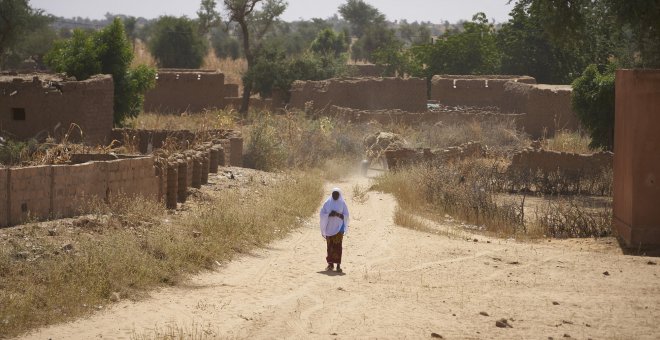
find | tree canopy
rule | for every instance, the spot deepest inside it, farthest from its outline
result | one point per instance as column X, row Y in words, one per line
column 177, row 43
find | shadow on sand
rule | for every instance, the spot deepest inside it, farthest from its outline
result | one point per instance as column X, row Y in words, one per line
column 331, row 273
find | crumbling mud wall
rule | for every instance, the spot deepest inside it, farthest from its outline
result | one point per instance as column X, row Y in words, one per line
column 386, row 117
column 637, row 157
column 407, row 156
column 53, row 191
column 231, row 90
column 361, row 93
column 40, row 105
column 465, row 90
column 179, row 91
column 569, row 165
column 548, row 108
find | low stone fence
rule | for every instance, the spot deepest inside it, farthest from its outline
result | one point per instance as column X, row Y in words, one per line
column 402, row 157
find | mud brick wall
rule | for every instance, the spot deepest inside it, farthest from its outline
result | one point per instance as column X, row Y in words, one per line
column 568, row 164
column 179, row 91
column 45, row 105
column 361, row 93
column 473, row 90
column 402, row 157
column 637, row 157
column 147, row 141
column 411, row 118
column 57, row 190
column 548, row 108
column 255, row 103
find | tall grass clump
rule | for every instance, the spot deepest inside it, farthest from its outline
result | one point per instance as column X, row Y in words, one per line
column 462, row 189
column 569, row 141
column 53, row 273
column 471, row 190
column 294, row 141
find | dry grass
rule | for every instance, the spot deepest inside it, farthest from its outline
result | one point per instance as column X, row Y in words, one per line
column 232, row 68
column 56, row 271
column 142, row 55
column 568, row 141
column 176, row 332
column 468, row 190
column 207, row 120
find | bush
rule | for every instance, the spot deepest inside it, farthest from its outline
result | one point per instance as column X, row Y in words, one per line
column 177, row 43
column 593, row 101
column 107, row 51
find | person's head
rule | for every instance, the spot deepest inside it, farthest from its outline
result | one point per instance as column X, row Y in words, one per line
column 335, row 195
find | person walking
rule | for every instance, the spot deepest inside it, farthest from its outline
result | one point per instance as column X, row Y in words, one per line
column 334, row 225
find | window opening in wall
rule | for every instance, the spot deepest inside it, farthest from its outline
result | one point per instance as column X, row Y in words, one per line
column 18, row 113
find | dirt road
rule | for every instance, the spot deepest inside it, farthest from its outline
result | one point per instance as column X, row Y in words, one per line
column 400, row 283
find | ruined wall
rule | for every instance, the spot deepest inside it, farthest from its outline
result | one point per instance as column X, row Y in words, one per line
column 548, row 108
column 255, row 103
column 361, row 93
column 54, row 191
column 46, row 105
column 386, row 117
column 402, row 157
column 637, row 157
column 568, row 164
column 179, row 91
column 147, row 141
column 465, row 90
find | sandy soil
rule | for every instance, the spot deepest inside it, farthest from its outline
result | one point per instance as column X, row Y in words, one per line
column 401, row 283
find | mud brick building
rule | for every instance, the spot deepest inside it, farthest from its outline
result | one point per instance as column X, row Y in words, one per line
column 42, row 105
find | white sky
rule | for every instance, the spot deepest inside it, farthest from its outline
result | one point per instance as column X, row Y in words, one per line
column 436, row 11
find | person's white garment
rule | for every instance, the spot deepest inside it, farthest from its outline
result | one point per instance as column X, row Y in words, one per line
column 330, row 226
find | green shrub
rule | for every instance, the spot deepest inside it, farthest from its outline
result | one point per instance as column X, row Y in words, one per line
column 177, row 43
column 593, row 101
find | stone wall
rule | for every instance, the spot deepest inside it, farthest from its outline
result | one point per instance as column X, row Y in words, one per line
column 402, row 157
column 465, row 90
column 53, row 191
column 179, row 91
column 548, row 108
column 41, row 105
column 637, row 157
column 361, row 93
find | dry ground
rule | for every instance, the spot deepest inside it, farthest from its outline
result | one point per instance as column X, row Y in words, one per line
column 400, row 283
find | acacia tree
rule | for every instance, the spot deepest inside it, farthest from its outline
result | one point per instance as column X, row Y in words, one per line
column 254, row 26
column 17, row 19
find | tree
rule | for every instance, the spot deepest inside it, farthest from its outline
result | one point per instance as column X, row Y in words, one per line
column 17, row 19
column 375, row 37
column 472, row 51
column 361, row 15
column 109, row 52
column 415, row 33
column 176, row 43
column 527, row 49
column 130, row 25
column 224, row 45
column 254, row 25
column 593, row 101
column 329, row 43
column 208, row 17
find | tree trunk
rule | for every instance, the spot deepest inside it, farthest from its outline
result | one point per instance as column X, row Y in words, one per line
column 247, row 86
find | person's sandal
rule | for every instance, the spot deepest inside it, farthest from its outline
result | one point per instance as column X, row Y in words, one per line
column 339, row 269
column 329, row 268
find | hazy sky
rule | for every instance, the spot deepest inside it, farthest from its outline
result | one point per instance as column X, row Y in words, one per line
column 427, row 10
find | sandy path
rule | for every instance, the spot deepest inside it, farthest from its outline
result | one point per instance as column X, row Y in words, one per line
column 401, row 283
